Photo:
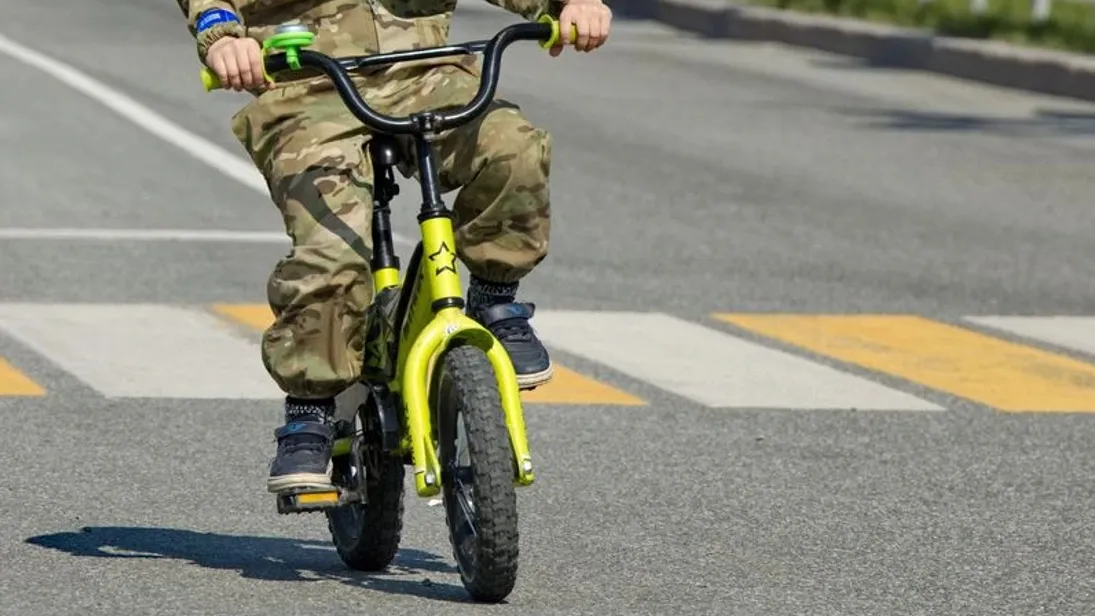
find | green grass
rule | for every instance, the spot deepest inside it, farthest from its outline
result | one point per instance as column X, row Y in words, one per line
column 1071, row 25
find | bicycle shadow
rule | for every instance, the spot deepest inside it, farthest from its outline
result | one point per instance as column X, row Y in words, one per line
column 258, row 558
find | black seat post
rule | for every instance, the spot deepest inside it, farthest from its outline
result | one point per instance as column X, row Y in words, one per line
column 384, row 154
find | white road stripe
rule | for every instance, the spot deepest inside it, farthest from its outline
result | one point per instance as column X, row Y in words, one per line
column 201, row 149
column 181, row 235
column 1076, row 333
column 140, row 350
column 711, row 367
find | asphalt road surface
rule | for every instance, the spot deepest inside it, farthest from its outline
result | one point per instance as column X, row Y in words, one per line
column 805, row 309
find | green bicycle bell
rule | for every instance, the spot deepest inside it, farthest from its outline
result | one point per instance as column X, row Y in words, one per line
column 290, row 38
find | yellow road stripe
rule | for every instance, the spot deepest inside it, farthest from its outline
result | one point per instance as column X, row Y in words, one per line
column 255, row 316
column 994, row 372
column 567, row 387
column 15, row 383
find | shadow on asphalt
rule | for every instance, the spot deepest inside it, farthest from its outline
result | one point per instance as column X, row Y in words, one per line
column 260, row 558
column 1041, row 124
column 896, row 60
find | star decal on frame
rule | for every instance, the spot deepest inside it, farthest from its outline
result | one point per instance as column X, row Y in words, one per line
column 444, row 259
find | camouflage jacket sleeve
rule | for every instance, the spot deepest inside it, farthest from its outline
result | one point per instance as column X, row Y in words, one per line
column 194, row 9
column 530, row 9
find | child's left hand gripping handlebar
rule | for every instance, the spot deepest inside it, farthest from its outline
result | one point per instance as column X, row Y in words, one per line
column 291, row 39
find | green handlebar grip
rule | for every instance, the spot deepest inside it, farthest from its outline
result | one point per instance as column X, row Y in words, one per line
column 210, row 80
column 556, row 36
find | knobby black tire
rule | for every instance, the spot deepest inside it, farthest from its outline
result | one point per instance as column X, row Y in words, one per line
column 467, row 387
column 371, row 541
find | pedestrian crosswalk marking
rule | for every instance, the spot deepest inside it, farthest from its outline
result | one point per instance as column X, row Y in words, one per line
column 142, row 350
column 212, row 351
column 15, row 383
column 985, row 369
column 1069, row 332
column 710, row 367
column 567, row 387
column 254, row 316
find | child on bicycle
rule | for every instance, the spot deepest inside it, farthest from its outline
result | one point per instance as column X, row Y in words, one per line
column 309, row 148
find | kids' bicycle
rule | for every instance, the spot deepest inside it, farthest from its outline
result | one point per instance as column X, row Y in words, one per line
column 442, row 396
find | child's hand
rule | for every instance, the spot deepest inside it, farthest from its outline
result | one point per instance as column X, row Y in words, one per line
column 590, row 17
column 237, row 63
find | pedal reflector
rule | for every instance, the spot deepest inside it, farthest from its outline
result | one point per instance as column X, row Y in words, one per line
column 317, row 498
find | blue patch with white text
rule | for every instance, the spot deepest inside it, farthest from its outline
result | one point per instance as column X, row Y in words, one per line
column 213, row 17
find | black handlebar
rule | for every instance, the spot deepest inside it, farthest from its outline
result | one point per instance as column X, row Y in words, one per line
column 338, row 71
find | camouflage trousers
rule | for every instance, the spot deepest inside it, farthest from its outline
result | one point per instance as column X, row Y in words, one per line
column 310, row 149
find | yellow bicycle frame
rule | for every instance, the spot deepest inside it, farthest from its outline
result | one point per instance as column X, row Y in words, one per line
column 424, row 338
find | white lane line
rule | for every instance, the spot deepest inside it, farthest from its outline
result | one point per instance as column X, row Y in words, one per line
column 711, row 367
column 129, row 109
column 141, row 350
column 1076, row 333
column 181, row 235
column 201, row 149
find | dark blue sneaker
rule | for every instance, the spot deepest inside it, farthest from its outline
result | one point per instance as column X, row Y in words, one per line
column 303, row 458
column 510, row 325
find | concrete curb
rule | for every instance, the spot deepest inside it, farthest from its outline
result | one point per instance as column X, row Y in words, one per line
column 1044, row 71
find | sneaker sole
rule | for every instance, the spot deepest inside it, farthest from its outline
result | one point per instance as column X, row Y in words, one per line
column 532, row 381
column 298, row 481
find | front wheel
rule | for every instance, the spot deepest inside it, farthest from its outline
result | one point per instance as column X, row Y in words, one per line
column 477, row 474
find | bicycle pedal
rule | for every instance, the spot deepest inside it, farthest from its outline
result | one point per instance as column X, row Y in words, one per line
column 307, row 501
